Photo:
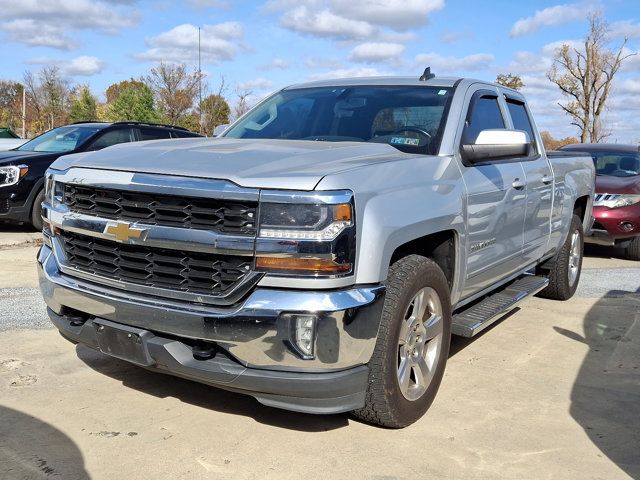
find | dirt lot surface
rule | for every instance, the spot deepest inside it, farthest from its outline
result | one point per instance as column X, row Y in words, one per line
column 552, row 391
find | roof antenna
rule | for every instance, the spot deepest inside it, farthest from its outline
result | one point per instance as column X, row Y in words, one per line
column 427, row 75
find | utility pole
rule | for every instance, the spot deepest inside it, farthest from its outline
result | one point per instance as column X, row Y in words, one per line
column 199, row 82
column 24, row 112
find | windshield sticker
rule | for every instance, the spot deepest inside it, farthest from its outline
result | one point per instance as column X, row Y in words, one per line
column 405, row 141
column 442, row 92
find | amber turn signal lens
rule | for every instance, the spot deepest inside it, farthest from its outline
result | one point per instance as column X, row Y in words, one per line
column 342, row 212
column 302, row 265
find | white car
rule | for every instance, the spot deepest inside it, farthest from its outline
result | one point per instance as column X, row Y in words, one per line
column 9, row 143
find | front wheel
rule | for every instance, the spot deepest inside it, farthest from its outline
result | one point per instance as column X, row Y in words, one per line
column 36, row 211
column 633, row 250
column 411, row 352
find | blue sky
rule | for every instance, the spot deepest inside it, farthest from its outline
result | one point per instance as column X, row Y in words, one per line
column 263, row 45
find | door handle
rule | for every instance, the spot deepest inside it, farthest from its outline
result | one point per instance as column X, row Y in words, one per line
column 518, row 184
column 547, row 179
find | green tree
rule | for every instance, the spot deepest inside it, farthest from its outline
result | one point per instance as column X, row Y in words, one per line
column 215, row 111
column 130, row 100
column 84, row 107
column 510, row 80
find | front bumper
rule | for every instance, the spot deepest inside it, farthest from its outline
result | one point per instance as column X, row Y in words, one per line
column 252, row 340
column 611, row 225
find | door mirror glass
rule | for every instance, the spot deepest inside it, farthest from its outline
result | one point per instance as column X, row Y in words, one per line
column 219, row 129
column 497, row 144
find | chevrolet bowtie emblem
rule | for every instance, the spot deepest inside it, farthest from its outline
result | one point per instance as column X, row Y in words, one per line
column 124, row 231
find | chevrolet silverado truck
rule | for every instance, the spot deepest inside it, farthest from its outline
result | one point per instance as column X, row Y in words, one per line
column 320, row 253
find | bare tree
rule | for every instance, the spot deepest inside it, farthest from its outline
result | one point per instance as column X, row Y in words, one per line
column 48, row 96
column 175, row 89
column 510, row 80
column 214, row 109
column 585, row 76
column 242, row 106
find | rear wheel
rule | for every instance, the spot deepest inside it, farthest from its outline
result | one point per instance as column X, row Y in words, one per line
column 36, row 211
column 411, row 352
column 566, row 266
column 633, row 250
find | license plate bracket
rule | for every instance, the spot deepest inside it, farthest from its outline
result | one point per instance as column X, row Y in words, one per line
column 124, row 342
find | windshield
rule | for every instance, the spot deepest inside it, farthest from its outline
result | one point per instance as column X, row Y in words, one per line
column 616, row 164
column 62, row 139
column 409, row 118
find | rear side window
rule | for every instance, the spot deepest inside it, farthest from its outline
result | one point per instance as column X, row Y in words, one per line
column 154, row 134
column 520, row 119
column 112, row 137
column 485, row 114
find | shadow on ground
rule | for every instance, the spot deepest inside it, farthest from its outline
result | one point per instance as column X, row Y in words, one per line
column 600, row 251
column 605, row 399
column 162, row 386
column 16, row 227
column 33, row 449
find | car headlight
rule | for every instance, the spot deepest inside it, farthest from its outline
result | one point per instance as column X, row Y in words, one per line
column 12, row 174
column 306, row 234
column 625, row 201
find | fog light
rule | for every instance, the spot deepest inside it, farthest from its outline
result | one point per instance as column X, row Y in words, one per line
column 303, row 333
column 626, row 226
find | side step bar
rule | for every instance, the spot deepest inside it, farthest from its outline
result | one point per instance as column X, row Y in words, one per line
column 479, row 316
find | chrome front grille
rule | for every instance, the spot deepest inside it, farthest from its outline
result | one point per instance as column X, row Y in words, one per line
column 189, row 272
column 230, row 217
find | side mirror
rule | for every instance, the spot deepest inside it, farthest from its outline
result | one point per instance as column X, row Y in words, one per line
column 219, row 129
column 499, row 144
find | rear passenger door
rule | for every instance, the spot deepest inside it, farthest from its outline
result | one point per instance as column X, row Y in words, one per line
column 112, row 137
column 495, row 200
column 539, row 183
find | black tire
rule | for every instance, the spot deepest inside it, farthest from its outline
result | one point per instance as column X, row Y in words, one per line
column 385, row 402
column 633, row 250
column 561, row 285
column 36, row 211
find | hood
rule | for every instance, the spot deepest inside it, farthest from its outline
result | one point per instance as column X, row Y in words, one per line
column 278, row 164
column 12, row 157
column 621, row 185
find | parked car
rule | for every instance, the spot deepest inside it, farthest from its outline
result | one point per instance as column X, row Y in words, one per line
column 9, row 139
column 616, row 206
column 321, row 252
column 22, row 169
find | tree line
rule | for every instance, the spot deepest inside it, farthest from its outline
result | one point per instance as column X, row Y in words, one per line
column 168, row 94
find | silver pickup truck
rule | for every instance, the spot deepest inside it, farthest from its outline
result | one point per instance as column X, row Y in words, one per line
column 321, row 252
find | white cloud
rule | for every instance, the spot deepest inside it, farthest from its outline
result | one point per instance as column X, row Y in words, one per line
column 180, row 44
column 625, row 29
column 320, row 62
column 325, row 23
column 556, row 15
column 454, row 37
column 208, row 3
column 470, row 63
column 80, row 66
column 373, row 52
column 48, row 24
column 256, row 84
column 347, row 73
column 380, row 20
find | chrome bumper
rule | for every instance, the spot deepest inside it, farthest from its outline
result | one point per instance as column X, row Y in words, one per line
column 253, row 333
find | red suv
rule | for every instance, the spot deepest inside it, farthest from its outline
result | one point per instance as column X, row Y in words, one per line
column 616, row 206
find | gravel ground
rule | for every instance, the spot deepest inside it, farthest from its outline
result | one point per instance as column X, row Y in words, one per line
column 24, row 307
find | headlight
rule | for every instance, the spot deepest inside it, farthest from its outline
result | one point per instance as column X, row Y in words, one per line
column 12, row 174
column 625, row 201
column 53, row 191
column 306, row 234
column 304, row 222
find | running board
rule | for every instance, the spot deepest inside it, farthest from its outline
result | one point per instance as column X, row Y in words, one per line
column 479, row 316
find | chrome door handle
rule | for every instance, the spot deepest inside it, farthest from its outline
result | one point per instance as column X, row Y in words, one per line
column 547, row 179
column 518, row 184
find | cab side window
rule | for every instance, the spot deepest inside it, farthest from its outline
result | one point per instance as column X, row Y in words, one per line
column 484, row 114
column 112, row 137
column 521, row 121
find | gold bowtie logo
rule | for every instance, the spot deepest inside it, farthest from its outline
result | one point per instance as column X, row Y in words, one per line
column 124, row 231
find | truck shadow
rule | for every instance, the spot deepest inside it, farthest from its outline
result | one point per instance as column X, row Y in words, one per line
column 599, row 251
column 605, row 399
column 207, row 397
column 33, row 449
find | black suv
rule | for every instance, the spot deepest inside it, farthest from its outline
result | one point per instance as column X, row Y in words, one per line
column 22, row 169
